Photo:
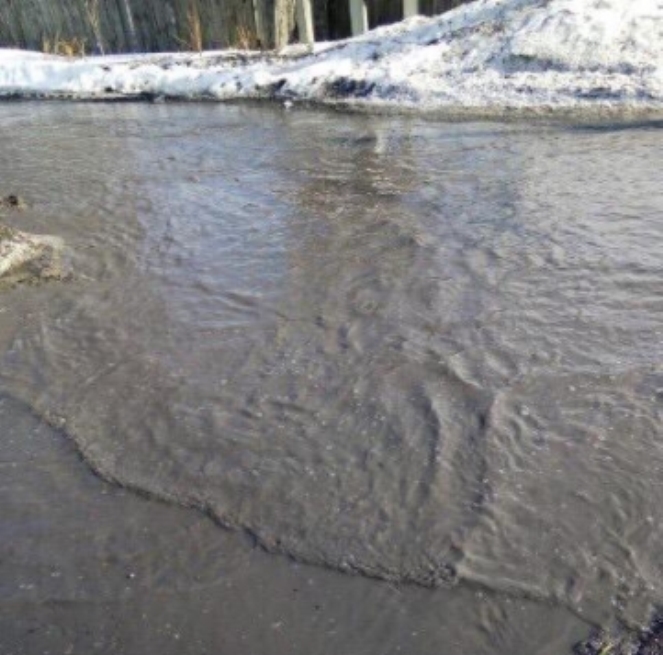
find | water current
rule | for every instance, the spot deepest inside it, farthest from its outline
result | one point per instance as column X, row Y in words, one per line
column 419, row 351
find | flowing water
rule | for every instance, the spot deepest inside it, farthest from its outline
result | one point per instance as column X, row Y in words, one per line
column 420, row 352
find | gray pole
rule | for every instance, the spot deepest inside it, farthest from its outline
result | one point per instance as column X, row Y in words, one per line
column 358, row 17
column 305, row 21
column 410, row 8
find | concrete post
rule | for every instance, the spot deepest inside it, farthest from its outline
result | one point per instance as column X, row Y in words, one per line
column 305, row 22
column 358, row 17
column 410, row 8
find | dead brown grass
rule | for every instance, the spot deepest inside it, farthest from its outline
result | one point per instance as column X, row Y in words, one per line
column 245, row 39
column 73, row 47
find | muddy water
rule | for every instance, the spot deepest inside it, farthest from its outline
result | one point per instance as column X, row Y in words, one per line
column 424, row 353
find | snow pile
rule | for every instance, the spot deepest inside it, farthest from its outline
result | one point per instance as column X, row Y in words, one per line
column 490, row 55
column 30, row 257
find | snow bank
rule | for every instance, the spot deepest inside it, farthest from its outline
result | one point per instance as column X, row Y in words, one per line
column 490, row 55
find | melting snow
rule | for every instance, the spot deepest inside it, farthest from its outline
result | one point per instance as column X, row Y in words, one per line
column 493, row 55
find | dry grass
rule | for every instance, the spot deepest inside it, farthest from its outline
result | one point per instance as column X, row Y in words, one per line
column 74, row 47
column 245, row 39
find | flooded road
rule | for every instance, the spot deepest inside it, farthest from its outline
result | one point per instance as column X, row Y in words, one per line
column 427, row 354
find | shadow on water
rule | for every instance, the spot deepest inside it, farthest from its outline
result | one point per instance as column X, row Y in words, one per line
column 621, row 126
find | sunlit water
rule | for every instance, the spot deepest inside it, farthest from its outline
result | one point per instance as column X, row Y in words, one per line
column 423, row 352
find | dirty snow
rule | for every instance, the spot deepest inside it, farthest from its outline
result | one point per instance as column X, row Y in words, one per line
column 30, row 257
column 496, row 55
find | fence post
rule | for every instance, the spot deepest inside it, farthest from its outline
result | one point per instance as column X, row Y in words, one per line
column 358, row 17
column 305, row 22
column 284, row 13
column 410, row 8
